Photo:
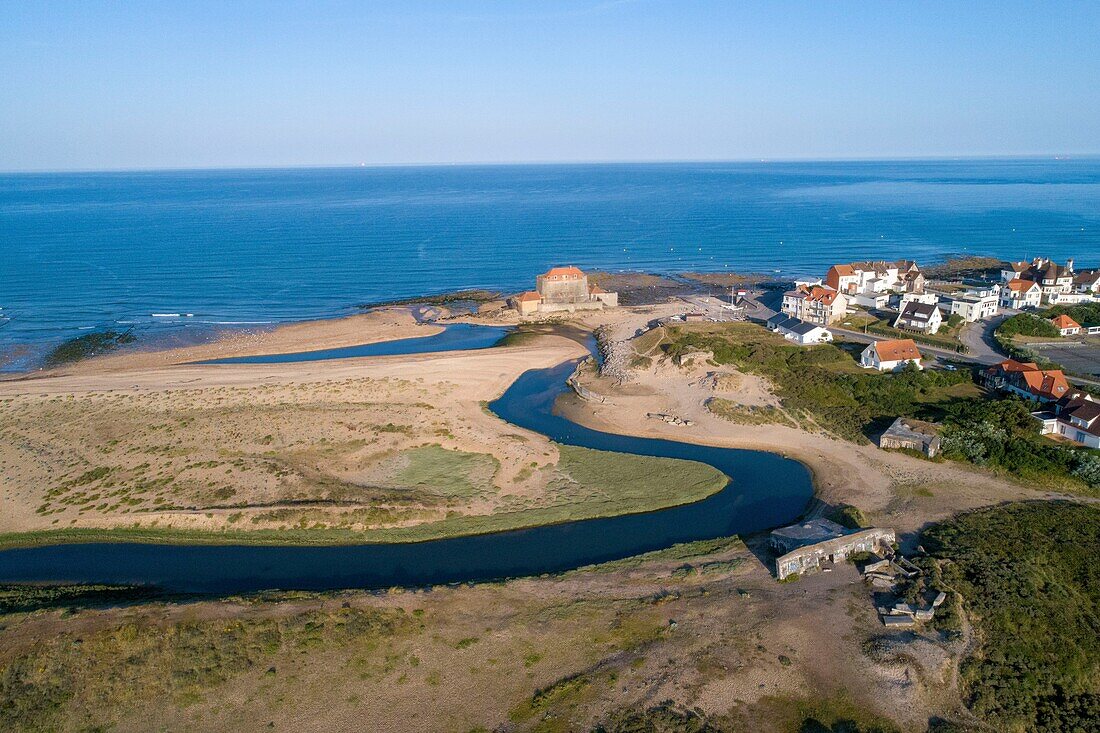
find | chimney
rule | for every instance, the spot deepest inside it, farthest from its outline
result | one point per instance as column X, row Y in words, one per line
column 1069, row 265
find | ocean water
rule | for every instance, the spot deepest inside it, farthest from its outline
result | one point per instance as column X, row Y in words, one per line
column 171, row 253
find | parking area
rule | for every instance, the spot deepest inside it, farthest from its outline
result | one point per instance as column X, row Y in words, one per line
column 1079, row 359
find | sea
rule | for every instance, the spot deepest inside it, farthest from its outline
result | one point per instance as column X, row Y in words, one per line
column 177, row 254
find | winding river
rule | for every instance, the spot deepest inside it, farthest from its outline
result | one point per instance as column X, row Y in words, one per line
column 766, row 490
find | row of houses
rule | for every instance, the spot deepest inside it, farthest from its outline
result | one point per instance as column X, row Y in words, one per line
column 1030, row 284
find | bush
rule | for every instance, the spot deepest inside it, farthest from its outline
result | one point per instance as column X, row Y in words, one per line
column 1029, row 578
column 1002, row 433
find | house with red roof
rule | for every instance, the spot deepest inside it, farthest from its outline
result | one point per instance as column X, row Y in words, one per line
column 890, row 355
column 1066, row 326
column 1027, row 380
column 817, row 304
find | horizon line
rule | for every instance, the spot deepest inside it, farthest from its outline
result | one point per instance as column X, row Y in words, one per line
column 572, row 162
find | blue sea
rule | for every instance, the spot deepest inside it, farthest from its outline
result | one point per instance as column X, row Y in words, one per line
column 181, row 252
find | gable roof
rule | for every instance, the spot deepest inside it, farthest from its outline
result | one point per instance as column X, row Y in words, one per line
column 917, row 311
column 1020, row 285
column 1049, row 383
column 896, row 350
column 529, row 296
column 843, row 269
column 802, row 328
column 1064, row 321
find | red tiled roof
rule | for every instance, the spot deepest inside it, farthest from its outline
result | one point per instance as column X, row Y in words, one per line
column 1019, row 285
column 563, row 273
column 1064, row 321
column 897, row 350
column 844, row 269
column 1050, row 383
column 529, row 296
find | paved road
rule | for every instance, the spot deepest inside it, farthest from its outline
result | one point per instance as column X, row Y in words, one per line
column 948, row 354
column 978, row 337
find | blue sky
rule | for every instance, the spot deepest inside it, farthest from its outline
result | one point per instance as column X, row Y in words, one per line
column 109, row 85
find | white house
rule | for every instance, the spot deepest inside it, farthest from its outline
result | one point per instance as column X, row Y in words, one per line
column 922, row 317
column 1020, row 294
column 889, row 356
column 799, row 331
column 977, row 305
column 1076, row 417
column 1088, row 282
column 1066, row 326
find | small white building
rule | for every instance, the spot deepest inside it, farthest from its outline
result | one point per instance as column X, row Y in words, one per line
column 797, row 330
column 1075, row 417
column 1066, row 326
column 890, row 356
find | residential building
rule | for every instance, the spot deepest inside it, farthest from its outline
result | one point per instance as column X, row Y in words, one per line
column 1027, row 380
column 799, row 331
column 912, row 434
column 976, row 305
column 1053, row 279
column 563, row 289
column 1088, row 282
column 1020, row 294
column 921, row 317
column 892, row 355
column 815, row 304
column 1066, row 326
column 1075, row 417
column 819, row 543
column 875, row 277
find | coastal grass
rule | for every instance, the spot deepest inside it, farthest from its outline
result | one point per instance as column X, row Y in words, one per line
column 586, row 483
column 748, row 414
column 86, row 681
column 1030, row 584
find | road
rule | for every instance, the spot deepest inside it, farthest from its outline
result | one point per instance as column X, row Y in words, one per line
column 978, row 337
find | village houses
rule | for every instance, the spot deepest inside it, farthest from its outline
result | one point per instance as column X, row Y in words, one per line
column 869, row 283
column 976, row 304
column 562, row 289
column 1021, row 294
column 1058, row 284
column 891, row 355
column 815, row 304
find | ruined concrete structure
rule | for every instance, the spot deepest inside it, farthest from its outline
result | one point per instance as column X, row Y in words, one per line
column 808, row 546
column 912, row 434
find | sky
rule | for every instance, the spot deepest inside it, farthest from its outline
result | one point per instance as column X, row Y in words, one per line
column 94, row 85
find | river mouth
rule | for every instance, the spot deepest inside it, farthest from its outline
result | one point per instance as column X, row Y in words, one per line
column 766, row 490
